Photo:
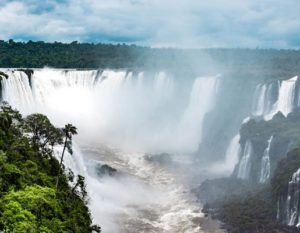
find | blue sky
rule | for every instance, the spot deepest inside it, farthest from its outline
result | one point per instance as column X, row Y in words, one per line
column 157, row 23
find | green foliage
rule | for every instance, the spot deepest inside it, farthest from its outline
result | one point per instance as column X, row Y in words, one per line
column 39, row 202
column 69, row 130
column 29, row 200
column 42, row 133
column 273, row 64
column 14, row 218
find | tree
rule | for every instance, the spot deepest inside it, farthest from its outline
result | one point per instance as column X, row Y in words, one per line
column 80, row 183
column 9, row 116
column 31, row 210
column 29, row 200
column 16, row 219
column 69, row 131
column 42, row 134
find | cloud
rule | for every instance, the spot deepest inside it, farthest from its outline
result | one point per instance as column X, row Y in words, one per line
column 189, row 23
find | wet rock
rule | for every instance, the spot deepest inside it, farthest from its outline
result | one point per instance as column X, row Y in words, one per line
column 105, row 170
column 3, row 75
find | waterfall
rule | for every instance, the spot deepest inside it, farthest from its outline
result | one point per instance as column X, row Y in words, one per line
column 226, row 166
column 245, row 161
column 286, row 96
column 265, row 100
column 73, row 162
column 278, row 210
column 268, row 99
column 201, row 101
column 292, row 203
column 293, row 199
column 259, row 100
column 149, row 112
column 97, row 196
column 127, row 111
column 16, row 90
column 264, row 103
column 27, row 99
column 265, row 163
column 232, row 152
column 163, row 86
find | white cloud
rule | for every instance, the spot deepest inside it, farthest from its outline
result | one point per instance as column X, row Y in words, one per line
column 189, row 23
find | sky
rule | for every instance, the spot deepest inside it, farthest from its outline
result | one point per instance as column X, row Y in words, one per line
column 155, row 23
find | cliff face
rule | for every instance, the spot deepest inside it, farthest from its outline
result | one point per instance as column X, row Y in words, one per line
column 271, row 130
column 270, row 141
column 249, row 205
column 285, row 188
column 274, row 156
column 233, row 101
column 263, row 192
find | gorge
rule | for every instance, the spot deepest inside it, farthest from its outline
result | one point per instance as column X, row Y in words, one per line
column 164, row 134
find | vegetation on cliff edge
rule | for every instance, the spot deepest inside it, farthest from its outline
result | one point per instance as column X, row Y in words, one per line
column 29, row 199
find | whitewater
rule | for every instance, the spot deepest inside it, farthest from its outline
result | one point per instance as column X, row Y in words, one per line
column 126, row 120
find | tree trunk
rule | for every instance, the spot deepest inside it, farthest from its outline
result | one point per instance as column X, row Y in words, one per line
column 61, row 161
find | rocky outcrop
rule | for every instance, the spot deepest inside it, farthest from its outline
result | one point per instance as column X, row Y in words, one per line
column 241, row 205
column 105, row 170
column 286, row 188
column 263, row 193
column 29, row 73
column 275, row 137
column 2, row 76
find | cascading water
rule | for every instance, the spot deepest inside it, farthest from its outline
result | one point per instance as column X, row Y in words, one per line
column 278, row 210
column 231, row 159
column 286, row 97
column 245, row 161
column 259, row 100
column 114, row 103
column 202, row 100
column 264, row 103
column 129, row 112
column 16, row 90
column 292, row 203
column 268, row 99
column 265, row 163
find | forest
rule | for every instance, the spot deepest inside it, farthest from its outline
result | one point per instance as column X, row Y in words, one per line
column 269, row 62
column 37, row 194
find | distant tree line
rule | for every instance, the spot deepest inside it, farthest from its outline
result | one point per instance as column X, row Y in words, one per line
column 89, row 55
column 73, row 55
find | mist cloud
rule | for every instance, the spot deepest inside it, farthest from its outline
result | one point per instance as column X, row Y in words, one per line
column 190, row 23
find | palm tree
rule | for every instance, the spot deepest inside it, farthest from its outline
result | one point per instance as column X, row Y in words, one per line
column 68, row 131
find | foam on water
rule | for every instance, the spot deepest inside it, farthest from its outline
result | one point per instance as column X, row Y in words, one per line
column 139, row 112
